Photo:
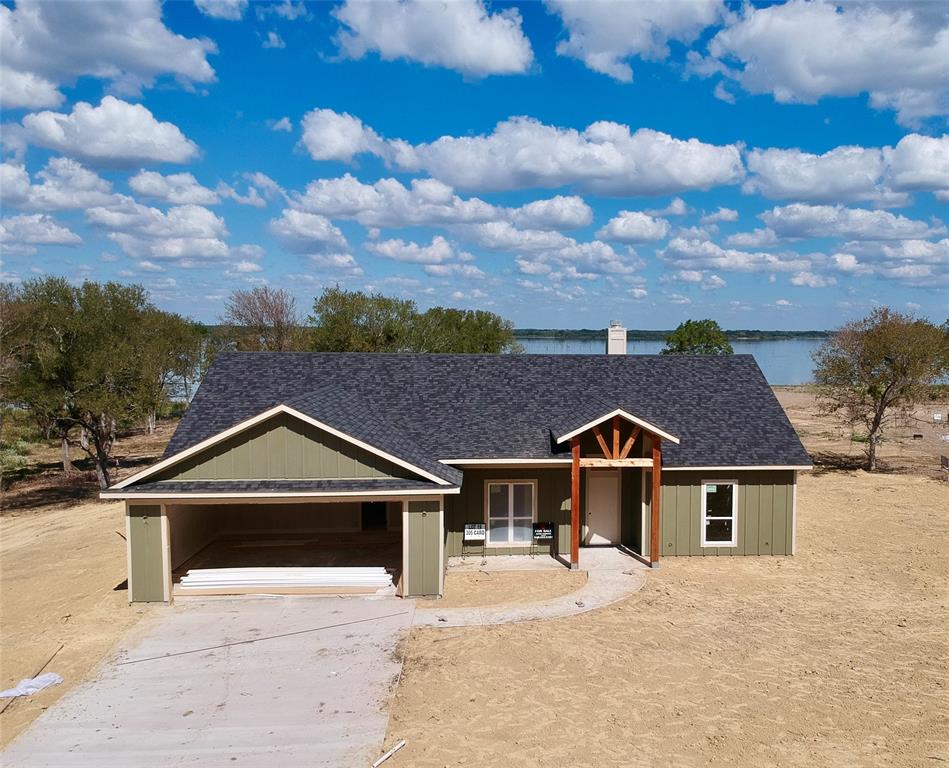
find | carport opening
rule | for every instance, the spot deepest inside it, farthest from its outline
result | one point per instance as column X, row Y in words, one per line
column 355, row 548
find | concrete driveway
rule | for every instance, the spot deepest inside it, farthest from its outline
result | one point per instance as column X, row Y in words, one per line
column 186, row 688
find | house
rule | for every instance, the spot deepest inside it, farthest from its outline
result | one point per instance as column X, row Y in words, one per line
column 384, row 459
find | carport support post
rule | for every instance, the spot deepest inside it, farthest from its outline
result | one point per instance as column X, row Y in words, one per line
column 654, row 505
column 149, row 553
column 575, row 504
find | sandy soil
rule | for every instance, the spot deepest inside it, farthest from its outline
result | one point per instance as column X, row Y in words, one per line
column 480, row 588
column 829, row 441
column 837, row 656
column 59, row 570
column 42, row 483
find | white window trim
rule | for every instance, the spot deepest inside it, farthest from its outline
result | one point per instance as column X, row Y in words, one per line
column 734, row 518
column 487, row 511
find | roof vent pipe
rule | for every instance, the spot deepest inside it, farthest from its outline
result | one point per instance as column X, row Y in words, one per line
column 616, row 338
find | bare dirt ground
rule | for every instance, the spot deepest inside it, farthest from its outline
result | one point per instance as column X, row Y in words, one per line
column 480, row 588
column 61, row 562
column 837, row 656
column 42, row 483
column 830, row 443
column 59, row 569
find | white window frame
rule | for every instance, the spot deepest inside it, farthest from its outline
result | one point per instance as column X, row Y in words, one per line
column 705, row 517
column 487, row 511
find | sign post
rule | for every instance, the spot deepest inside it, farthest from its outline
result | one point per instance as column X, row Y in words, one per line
column 475, row 533
column 542, row 532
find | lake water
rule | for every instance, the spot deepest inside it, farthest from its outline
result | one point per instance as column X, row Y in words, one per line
column 784, row 361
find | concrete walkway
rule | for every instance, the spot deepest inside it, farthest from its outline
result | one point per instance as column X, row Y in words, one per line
column 611, row 576
column 311, row 688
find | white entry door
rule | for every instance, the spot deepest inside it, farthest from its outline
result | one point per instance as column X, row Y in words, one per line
column 603, row 501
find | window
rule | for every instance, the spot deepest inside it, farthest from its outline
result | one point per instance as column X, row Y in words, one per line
column 720, row 514
column 510, row 512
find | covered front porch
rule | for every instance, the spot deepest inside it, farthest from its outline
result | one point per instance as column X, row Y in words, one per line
column 615, row 482
column 601, row 489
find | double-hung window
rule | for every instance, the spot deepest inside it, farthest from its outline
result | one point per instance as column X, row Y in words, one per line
column 720, row 514
column 510, row 512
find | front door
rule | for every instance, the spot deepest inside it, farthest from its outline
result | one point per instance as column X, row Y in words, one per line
column 603, row 501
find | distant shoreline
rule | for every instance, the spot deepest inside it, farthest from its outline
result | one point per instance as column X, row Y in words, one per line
column 633, row 334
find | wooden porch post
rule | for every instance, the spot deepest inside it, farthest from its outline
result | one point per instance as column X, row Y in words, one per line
column 654, row 505
column 575, row 504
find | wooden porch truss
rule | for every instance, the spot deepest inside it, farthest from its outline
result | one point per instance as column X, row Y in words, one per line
column 615, row 457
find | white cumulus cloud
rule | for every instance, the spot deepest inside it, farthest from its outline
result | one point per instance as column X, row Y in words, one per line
column 800, row 220
column 189, row 235
column 634, row 227
column 521, row 153
column 66, row 185
column 461, row 35
column 329, row 135
column 604, row 34
column 696, row 254
column 48, row 45
column 308, row 233
column 606, row 158
column 558, row 212
column 230, row 10
column 175, row 188
column 438, row 252
column 389, row 203
column 116, row 133
column 800, row 52
column 21, row 234
column 722, row 214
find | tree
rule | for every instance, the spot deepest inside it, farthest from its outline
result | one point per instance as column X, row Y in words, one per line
column 264, row 319
column 79, row 361
column 872, row 369
column 697, row 337
column 353, row 321
column 169, row 350
column 463, row 331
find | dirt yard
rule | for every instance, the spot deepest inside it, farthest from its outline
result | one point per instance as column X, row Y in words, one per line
column 830, row 442
column 41, row 483
column 480, row 588
column 59, row 573
column 838, row 656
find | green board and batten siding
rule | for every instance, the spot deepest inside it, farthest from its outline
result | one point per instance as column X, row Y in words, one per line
column 553, row 505
column 146, row 554
column 765, row 510
column 765, row 513
column 424, row 567
column 284, row 448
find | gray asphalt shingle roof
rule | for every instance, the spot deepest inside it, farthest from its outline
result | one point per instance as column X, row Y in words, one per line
column 422, row 408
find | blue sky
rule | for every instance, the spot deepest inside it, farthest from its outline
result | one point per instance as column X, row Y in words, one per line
column 562, row 164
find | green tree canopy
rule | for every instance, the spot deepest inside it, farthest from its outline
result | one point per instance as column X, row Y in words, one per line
column 697, row 337
column 353, row 321
column 92, row 358
column 872, row 369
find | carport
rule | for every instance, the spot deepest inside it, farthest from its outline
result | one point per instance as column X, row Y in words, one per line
column 283, row 504
column 167, row 541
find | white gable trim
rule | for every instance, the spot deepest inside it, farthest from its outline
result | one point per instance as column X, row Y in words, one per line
column 171, row 497
column 269, row 414
column 727, row 467
column 629, row 417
